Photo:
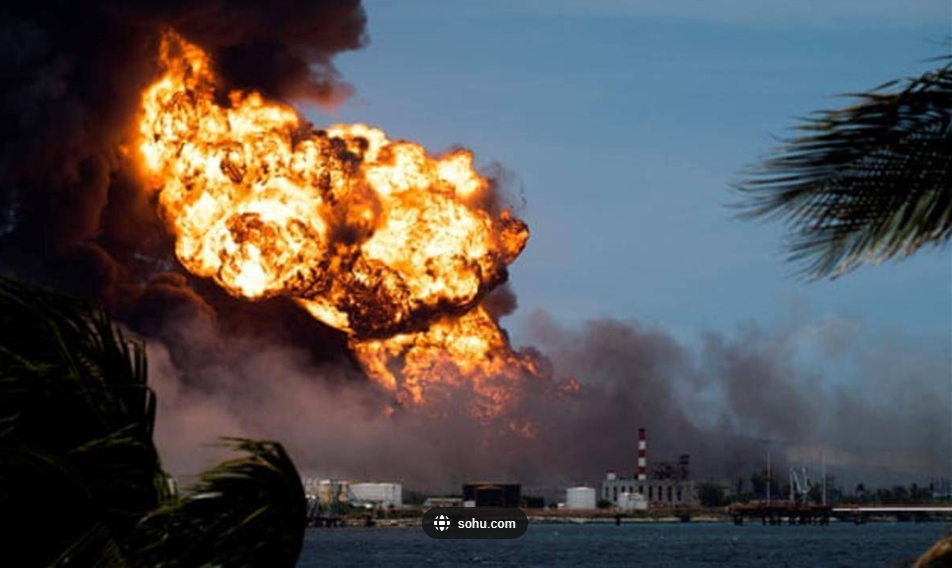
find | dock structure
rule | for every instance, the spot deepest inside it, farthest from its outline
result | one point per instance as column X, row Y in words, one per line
column 793, row 513
column 781, row 512
column 859, row 514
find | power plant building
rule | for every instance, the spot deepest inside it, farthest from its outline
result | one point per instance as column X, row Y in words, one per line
column 661, row 484
column 631, row 502
column 656, row 492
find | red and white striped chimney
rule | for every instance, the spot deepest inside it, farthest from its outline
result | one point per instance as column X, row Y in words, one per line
column 642, row 455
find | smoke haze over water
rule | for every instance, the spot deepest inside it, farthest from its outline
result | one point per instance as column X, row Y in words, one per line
column 725, row 401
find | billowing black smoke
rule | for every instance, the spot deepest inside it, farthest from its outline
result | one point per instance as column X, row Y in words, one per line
column 72, row 215
column 874, row 407
column 726, row 400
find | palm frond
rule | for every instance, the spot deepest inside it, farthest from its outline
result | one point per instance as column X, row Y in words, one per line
column 76, row 417
column 96, row 548
column 79, row 471
column 245, row 512
column 865, row 183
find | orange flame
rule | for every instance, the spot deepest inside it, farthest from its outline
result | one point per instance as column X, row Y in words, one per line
column 470, row 347
column 372, row 236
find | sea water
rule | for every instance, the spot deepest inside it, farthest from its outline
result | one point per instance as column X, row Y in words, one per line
column 690, row 545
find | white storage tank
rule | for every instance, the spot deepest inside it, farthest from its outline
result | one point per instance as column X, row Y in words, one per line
column 580, row 498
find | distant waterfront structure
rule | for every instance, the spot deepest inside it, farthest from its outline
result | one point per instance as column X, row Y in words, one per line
column 631, row 501
column 379, row 494
column 642, row 454
column 492, row 494
column 658, row 484
column 580, row 498
column 326, row 492
column 443, row 502
column 656, row 492
column 330, row 493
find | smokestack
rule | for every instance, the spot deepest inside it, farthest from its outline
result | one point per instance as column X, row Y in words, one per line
column 642, row 455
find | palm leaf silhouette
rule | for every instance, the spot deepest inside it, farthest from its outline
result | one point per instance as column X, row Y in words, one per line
column 76, row 415
column 82, row 483
column 244, row 512
column 865, row 183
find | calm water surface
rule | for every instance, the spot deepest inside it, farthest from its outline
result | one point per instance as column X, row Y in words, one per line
column 662, row 545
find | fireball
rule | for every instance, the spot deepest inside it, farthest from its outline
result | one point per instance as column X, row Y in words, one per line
column 373, row 236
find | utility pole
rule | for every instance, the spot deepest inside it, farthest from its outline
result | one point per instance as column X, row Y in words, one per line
column 768, row 477
column 823, row 468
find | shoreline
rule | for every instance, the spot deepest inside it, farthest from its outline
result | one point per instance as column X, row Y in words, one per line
column 546, row 517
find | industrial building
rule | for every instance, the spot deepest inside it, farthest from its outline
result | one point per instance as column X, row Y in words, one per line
column 378, row 494
column 654, row 491
column 631, row 502
column 330, row 493
column 327, row 492
column 443, row 502
column 490, row 494
column 662, row 484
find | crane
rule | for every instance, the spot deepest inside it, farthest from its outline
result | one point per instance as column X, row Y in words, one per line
column 799, row 485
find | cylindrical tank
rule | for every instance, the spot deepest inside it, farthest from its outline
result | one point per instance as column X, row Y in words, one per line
column 580, row 498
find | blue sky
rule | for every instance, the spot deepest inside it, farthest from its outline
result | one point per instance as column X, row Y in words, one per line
column 625, row 122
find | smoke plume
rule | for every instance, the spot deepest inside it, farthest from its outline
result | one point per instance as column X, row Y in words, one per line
column 726, row 400
column 73, row 215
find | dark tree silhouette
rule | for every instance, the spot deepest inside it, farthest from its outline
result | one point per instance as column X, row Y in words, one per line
column 81, row 483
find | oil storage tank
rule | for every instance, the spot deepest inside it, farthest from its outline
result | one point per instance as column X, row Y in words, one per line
column 580, row 498
column 491, row 494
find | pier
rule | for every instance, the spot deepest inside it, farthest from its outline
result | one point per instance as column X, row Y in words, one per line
column 781, row 512
column 791, row 513
column 916, row 513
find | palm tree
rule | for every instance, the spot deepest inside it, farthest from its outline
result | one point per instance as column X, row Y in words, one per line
column 82, row 484
column 247, row 511
column 865, row 183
